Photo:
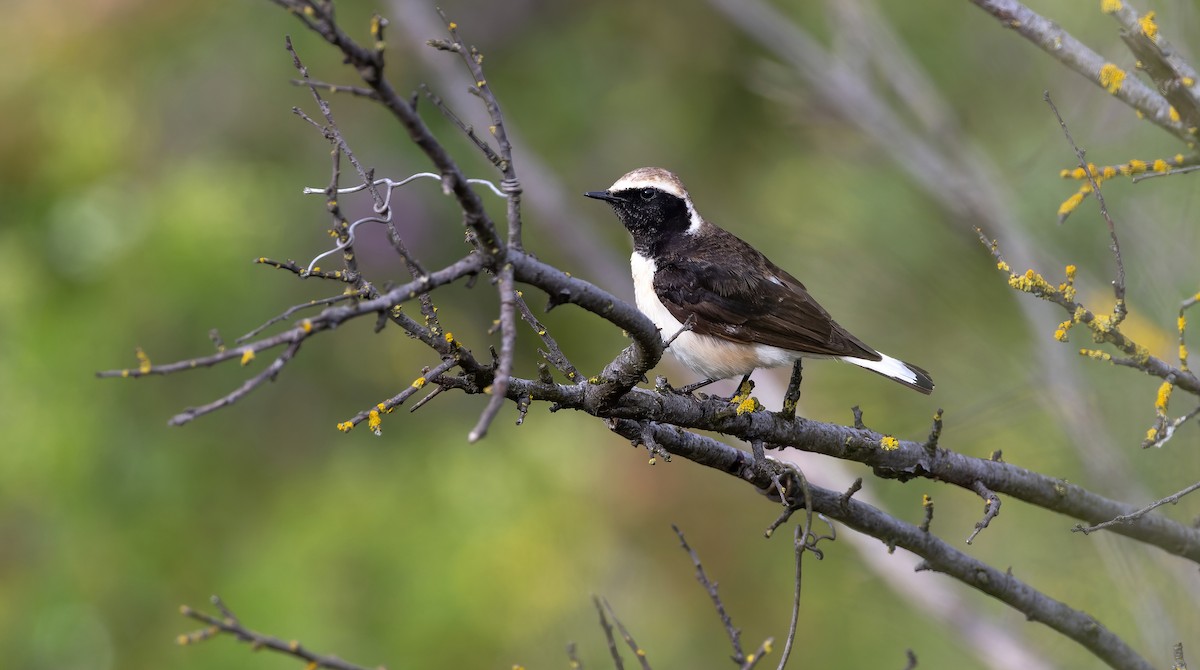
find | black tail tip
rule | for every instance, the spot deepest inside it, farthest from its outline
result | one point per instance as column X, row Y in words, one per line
column 923, row 383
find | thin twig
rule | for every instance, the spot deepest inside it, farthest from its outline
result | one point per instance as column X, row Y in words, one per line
column 758, row 654
column 1173, row 171
column 508, row 341
column 927, row 505
column 293, row 267
column 573, row 658
column 735, row 635
column 1134, row 516
column 467, row 130
column 228, row 623
column 386, row 407
column 1119, row 309
column 935, row 433
column 633, row 645
column 357, row 91
column 618, row 663
column 511, row 184
column 1101, row 327
column 249, row 385
column 292, row 310
column 800, row 540
column 990, row 510
column 335, row 135
column 438, row 390
column 553, row 353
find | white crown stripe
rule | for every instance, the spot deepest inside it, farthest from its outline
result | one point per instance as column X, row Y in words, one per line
column 653, row 178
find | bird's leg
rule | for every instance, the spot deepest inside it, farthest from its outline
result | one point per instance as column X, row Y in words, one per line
column 690, row 388
column 744, row 388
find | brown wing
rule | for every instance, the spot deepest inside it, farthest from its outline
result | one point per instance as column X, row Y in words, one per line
column 749, row 301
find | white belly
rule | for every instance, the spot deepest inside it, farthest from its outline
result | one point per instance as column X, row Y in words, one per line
column 712, row 357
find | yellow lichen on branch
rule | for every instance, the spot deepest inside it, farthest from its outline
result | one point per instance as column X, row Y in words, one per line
column 1100, row 174
column 1073, row 202
column 1096, row 354
column 749, row 404
column 143, row 361
column 1149, row 28
column 1031, row 282
column 1133, row 167
column 1111, row 77
column 1163, row 400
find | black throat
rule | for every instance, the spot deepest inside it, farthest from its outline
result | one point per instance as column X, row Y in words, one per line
column 653, row 217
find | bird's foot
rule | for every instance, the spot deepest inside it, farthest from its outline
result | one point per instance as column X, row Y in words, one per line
column 691, row 389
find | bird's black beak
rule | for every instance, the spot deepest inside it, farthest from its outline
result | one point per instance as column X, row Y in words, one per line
column 604, row 195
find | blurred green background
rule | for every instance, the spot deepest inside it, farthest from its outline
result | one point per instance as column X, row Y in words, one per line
column 149, row 153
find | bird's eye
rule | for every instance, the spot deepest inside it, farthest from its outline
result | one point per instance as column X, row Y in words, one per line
column 647, row 194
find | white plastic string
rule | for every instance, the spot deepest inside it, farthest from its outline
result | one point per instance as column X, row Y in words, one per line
column 383, row 209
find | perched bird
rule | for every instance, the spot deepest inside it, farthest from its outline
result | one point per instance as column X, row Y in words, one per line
column 746, row 312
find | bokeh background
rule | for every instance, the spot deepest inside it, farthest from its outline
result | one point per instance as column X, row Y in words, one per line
column 148, row 153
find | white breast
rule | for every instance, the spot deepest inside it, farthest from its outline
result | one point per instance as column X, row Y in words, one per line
column 712, row 357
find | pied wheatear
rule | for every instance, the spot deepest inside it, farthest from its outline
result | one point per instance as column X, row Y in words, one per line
column 745, row 312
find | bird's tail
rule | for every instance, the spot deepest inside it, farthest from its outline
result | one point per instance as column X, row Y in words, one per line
column 896, row 369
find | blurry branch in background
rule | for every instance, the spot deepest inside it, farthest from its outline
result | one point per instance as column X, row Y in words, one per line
column 735, row 636
column 1077, row 56
column 739, row 657
column 661, row 421
column 1106, row 328
column 1173, row 104
column 228, row 624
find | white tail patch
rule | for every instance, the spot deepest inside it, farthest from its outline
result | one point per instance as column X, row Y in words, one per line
column 887, row 366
